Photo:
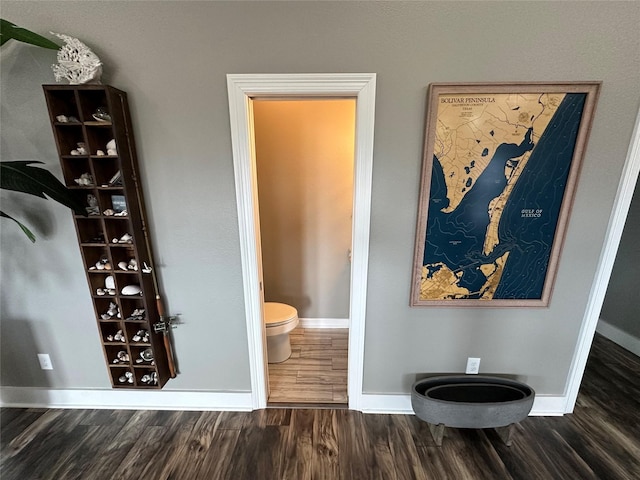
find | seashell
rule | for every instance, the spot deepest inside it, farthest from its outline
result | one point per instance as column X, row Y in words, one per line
column 113, row 309
column 109, row 282
column 62, row 118
column 100, row 291
column 86, row 179
column 102, row 115
column 131, row 290
column 114, row 240
column 99, row 266
column 100, row 153
column 147, row 355
column 107, row 266
column 126, row 238
column 108, row 212
column 75, row 152
column 111, row 144
column 122, row 265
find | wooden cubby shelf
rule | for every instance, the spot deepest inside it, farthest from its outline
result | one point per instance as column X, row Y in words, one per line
column 111, row 237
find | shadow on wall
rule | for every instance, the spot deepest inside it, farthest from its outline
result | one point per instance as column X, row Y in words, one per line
column 20, row 367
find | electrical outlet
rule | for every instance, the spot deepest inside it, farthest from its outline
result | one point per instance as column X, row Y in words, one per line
column 473, row 365
column 45, row 361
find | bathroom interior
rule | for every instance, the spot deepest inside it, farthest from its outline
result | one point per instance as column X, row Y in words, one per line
column 304, row 150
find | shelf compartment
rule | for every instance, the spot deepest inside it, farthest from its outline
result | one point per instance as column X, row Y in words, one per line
column 133, row 331
column 105, row 169
column 146, row 376
column 104, row 310
column 93, row 256
column 116, row 228
column 109, row 332
column 140, row 356
column 62, row 102
column 90, row 100
column 129, row 306
column 126, row 279
column 125, row 256
column 117, row 355
column 90, row 199
column 118, row 373
column 73, row 168
column 114, row 200
column 90, row 231
column 97, row 139
column 68, row 137
column 97, row 282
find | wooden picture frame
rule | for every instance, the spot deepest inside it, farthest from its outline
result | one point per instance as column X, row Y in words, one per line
column 499, row 173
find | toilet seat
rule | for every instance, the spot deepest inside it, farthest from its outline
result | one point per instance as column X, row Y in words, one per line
column 279, row 314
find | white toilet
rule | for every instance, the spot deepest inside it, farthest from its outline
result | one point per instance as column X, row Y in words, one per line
column 280, row 319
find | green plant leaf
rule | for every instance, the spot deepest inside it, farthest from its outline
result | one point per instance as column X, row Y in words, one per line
column 26, row 231
column 10, row 31
column 20, row 177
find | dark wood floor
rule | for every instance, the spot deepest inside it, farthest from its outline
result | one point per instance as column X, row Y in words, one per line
column 601, row 440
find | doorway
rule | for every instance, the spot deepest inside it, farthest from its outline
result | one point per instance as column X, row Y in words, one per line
column 242, row 89
column 304, row 154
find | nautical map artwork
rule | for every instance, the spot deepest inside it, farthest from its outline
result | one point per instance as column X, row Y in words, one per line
column 500, row 168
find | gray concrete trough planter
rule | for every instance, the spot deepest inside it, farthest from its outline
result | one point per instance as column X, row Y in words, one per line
column 471, row 401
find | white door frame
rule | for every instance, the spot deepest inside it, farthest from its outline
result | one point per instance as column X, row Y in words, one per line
column 241, row 89
column 617, row 220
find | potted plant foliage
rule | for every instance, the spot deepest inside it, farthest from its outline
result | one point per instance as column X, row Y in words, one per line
column 22, row 176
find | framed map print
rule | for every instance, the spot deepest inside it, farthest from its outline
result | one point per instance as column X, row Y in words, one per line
column 499, row 174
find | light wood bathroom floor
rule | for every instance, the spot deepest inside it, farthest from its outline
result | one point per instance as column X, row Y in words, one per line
column 316, row 372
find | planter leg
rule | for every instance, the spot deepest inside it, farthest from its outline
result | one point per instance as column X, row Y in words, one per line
column 505, row 434
column 437, row 432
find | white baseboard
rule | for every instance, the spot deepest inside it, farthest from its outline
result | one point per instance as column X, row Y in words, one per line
column 543, row 405
column 622, row 338
column 33, row 397
column 324, row 322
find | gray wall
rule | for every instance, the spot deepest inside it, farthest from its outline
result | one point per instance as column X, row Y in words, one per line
column 621, row 306
column 172, row 57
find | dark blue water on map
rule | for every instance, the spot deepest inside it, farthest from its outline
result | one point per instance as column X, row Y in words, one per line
column 457, row 238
